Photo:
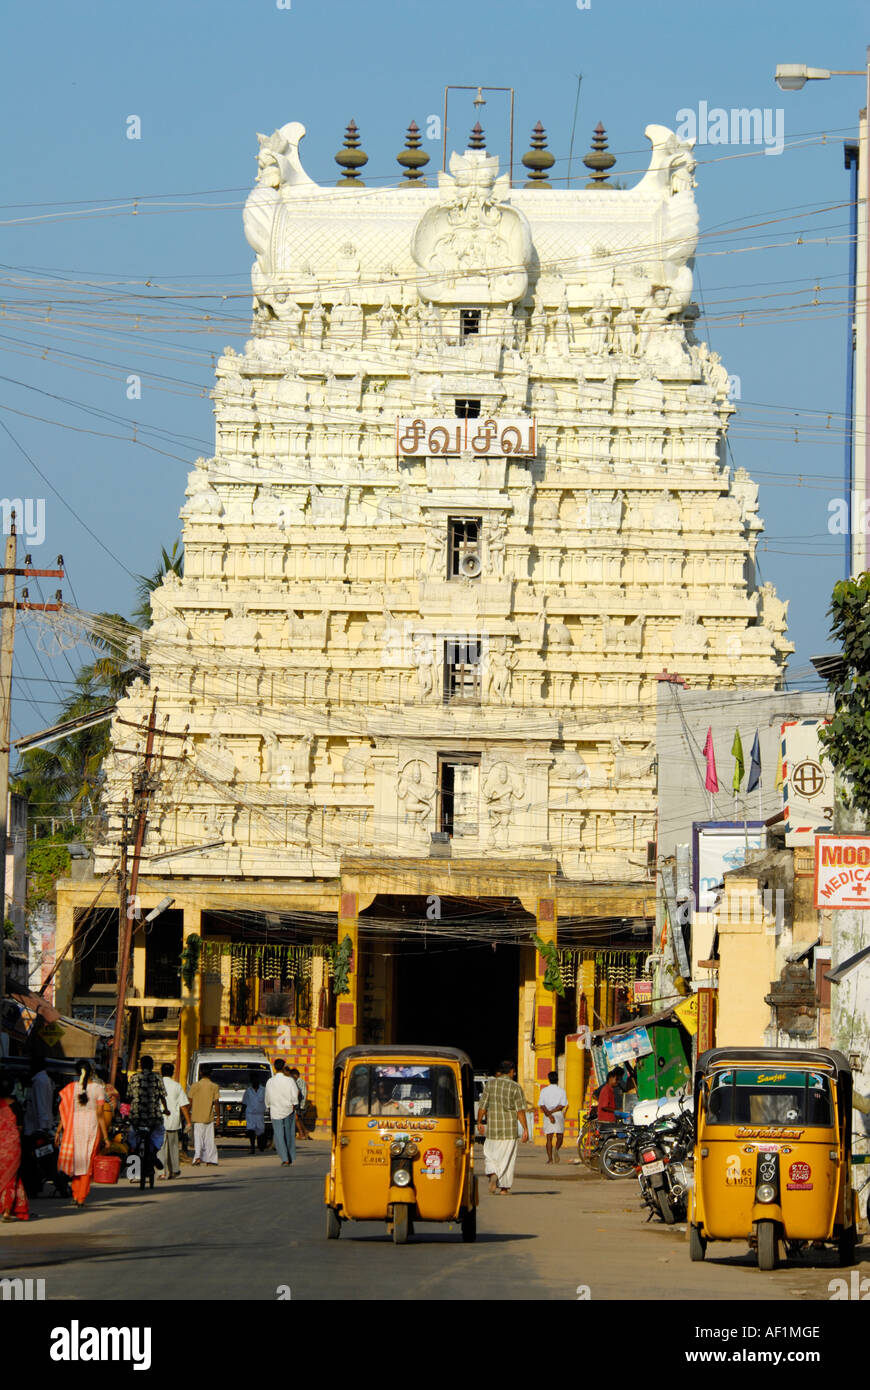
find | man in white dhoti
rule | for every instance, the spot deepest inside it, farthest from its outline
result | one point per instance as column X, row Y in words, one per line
column 204, row 1111
column 179, row 1113
column 553, row 1103
column 501, row 1106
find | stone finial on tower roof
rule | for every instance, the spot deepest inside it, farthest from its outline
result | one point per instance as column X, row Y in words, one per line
column 538, row 160
column 350, row 159
column 412, row 158
column 598, row 160
column 477, row 139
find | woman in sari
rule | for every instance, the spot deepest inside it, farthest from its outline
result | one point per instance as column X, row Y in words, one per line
column 82, row 1124
column 13, row 1201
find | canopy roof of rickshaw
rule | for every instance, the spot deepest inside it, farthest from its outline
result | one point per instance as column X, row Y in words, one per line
column 408, row 1051
column 798, row 1058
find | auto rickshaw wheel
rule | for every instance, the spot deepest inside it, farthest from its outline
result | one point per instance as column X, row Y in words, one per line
column 401, row 1223
column 846, row 1243
column 697, row 1244
column 333, row 1224
column 469, row 1225
column 768, row 1241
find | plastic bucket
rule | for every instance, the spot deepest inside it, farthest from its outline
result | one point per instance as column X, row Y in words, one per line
column 107, row 1168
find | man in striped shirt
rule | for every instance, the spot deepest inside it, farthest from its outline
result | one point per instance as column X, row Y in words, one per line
column 501, row 1106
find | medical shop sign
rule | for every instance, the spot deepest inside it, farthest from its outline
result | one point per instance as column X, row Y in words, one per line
column 842, row 871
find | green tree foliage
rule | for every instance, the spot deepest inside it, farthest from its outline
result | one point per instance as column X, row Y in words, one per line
column 846, row 739
column 47, row 860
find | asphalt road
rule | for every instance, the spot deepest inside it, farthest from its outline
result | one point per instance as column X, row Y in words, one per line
column 252, row 1230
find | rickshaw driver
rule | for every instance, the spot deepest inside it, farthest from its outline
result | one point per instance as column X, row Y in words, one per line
column 358, row 1101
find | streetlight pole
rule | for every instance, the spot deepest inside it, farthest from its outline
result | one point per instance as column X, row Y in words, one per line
column 791, row 77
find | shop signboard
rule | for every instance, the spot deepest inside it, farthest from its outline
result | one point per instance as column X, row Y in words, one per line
column 627, row 1047
column 807, row 782
column 717, row 848
column 842, row 871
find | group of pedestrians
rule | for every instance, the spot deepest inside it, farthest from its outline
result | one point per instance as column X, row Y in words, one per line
column 36, row 1147
column 55, row 1138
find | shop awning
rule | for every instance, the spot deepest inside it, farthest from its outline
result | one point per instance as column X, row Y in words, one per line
column 642, row 1021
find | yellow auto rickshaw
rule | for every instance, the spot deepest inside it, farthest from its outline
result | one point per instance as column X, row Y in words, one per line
column 773, row 1151
column 402, row 1140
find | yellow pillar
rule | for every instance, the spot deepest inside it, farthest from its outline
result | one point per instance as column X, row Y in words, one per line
column 574, row 1056
column 346, row 1004
column 324, row 1055
column 545, row 1002
column 188, row 1032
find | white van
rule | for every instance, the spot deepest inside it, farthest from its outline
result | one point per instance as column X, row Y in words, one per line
column 229, row 1067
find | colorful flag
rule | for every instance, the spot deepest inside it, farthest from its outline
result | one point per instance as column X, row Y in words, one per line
column 754, row 765
column 737, row 755
column 711, row 781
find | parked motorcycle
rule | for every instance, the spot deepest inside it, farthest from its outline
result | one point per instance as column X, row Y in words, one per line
column 663, row 1161
column 596, row 1137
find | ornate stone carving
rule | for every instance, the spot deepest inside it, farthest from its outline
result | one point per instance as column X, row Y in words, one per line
column 502, row 792
column 204, row 502
column 240, row 630
column 501, row 662
column 473, row 247
column 346, row 324
column 416, row 791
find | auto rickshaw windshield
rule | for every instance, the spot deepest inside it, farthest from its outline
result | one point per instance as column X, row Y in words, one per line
column 402, row 1090
column 759, row 1097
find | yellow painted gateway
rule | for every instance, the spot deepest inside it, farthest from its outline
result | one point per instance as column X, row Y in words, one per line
column 402, row 1140
column 773, row 1151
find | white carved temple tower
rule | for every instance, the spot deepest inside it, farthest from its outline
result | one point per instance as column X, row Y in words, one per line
column 469, row 502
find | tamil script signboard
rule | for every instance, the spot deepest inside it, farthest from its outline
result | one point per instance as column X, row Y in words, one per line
column 842, row 876
column 513, row 435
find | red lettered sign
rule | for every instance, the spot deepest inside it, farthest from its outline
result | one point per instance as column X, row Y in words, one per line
column 842, row 873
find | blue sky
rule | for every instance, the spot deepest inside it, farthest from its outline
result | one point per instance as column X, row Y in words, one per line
column 90, row 216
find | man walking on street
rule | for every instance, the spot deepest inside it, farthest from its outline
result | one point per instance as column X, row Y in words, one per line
column 302, row 1088
column 282, row 1097
column 148, row 1107
column 205, row 1110
column 553, row 1102
column 501, row 1106
column 179, row 1107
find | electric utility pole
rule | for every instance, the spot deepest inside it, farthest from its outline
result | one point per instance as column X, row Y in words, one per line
column 141, row 796
column 8, row 608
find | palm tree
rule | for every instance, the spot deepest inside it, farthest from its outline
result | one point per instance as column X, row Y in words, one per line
column 170, row 560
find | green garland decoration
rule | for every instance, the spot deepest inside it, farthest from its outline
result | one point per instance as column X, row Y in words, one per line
column 552, row 975
column 341, row 959
column 190, row 959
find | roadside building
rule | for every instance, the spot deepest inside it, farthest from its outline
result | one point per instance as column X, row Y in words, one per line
column 469, row 502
